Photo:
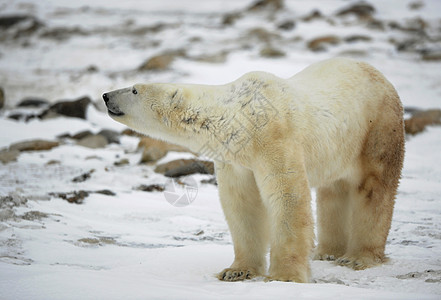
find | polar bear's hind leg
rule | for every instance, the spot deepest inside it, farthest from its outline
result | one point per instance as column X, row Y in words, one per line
column 373, row 197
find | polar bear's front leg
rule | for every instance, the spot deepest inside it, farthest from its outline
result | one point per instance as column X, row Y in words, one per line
column 284, row 188
column 247, row 219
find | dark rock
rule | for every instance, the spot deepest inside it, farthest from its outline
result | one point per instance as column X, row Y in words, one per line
column 271, row 52
column 81, row 135
column 76, row 197
column 287, row 25
column 34, row 215
column 34, row 145
column 33, row 102
column 262, row 35
column 83, row 177
column 2, row 98
column 105, row 192
column 7, row 156
column 151, row 188
column 212, row 180
column 421, row 119
column 415, row 25
column 92, row 69
column 182, row 167
column 93, row 141
column 161, row 62
column 53, row 162
column 358, row 38
column 121, row 162
column 12, row 20
column 362, row 10
column 21, row 25
column 231, row 18
column 260, row 5
column 153, row 150
column 376, row 24
column 74, row 109
column 17, row 116
column 215, row 58
column 12, row 200
column 431, row 55
column 319, row 44
column 416, row 5
column 62, row 33
column 313, row 15
column 112, row 136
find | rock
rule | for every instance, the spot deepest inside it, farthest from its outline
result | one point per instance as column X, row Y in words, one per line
column 33, row 102
column 163, row 168
column 260, row 5
column 287, row 25
column 262, row 35
column 431, row 55
column 415, row 25
column 81, row 135
column 112, row 136
column 161, row 62
column 212, row 180
column 421, row 119
column 12, row 200
column 105, row 192
column 2, row 98
column 358, row 38
column 76, row 197
column 362, row 10
column 196, row 167
column 150, row 188
column 83, row 177
column 93, row 141
column 318, row 44
column 6, row 156
column 74, row 109
column 353, row 53
column 12, row 20
column 416, row 5
column 6, row 214
column 34, row 215
column 155, row 149
column 215, row 58
column 21, row 25
column 313, row 15
column 181, row 167
column 34, row 145
column 231, row 18
column 271, row 52
column 62, row 33
column 121, row 162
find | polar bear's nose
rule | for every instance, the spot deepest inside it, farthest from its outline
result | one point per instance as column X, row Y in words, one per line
column 105, row 97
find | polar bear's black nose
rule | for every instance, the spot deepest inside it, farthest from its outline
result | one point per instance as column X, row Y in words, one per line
column 105, row 97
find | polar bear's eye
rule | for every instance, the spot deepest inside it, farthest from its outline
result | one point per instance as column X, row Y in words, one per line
column 134, row 91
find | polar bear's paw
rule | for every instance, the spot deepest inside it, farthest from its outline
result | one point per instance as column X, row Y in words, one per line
column 359, row 263
column 236, row 274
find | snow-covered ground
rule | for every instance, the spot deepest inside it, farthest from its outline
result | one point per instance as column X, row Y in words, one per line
column 135, row 245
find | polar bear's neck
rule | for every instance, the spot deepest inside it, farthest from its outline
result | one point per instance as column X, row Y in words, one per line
column 208, row 118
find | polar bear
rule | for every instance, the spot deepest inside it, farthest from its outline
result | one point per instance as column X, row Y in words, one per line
column 336, row 126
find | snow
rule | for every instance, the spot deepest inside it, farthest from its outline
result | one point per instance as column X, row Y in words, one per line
column 135, row 245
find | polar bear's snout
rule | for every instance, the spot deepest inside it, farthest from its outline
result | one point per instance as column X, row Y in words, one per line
column 112, row 107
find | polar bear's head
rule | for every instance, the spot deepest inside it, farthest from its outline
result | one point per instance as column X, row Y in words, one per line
column 153, row 109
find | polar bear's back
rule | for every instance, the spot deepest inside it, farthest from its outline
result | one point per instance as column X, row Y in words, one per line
column 338, row 101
